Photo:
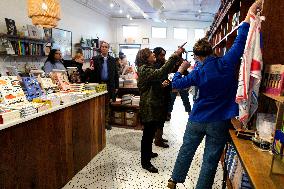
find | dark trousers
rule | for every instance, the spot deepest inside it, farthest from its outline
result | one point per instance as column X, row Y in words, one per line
column 184, row 97
column 147, row 141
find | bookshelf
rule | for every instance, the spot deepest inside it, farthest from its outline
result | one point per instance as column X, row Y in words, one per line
column 222, row 34
column 87, row 51
column 23, row 46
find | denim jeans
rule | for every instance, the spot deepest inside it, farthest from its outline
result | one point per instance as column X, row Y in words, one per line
column 216, row 137
column 184, row 96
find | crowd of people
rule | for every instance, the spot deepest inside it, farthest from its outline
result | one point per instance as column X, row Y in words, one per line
column 214, row 106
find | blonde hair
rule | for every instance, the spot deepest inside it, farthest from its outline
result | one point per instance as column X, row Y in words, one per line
column 77, row 55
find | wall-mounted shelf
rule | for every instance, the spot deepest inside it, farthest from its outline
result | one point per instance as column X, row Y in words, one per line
column 23, row 46
column 274, row 97
column 23, row 38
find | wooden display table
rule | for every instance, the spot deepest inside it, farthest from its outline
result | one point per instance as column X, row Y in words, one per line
column 47, row 149
column 257, row 164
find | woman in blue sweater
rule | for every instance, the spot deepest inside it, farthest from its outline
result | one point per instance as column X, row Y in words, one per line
column 214, row 107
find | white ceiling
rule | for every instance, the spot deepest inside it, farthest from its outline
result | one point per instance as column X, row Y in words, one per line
column 158, row 10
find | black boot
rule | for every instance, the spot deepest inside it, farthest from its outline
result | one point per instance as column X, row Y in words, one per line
column 164, row 140
column 153, row 155
column 159, row 140
column 149, row 167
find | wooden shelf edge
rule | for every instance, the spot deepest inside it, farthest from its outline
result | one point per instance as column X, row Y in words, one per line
column 24, row 38
column 137, row 127
column 241, row 160
column 228, row 35
column 274, row 97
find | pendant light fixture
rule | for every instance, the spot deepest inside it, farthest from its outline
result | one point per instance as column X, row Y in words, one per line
column 45, row 13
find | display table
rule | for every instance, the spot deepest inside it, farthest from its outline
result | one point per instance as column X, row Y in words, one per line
column 47, row 149
column 257, row 164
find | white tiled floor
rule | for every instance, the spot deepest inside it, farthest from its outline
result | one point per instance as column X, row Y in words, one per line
column 118, row 165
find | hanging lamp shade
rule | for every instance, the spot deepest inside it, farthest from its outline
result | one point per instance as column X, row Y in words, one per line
column 45, row 13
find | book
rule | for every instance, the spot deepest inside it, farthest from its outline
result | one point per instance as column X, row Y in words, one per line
column 11, row 26
column 33, row 31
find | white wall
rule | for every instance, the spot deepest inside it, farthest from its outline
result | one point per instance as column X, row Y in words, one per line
column 82, row 21
column 145, row 27
column 75, row 17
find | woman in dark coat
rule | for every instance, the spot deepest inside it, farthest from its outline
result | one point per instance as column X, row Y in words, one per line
column 151, row 99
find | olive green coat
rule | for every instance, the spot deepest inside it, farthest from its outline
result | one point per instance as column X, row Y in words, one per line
column 152, row 100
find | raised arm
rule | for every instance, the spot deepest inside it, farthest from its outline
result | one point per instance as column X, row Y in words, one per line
column 231, row 58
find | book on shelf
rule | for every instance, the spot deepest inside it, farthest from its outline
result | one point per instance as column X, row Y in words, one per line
column 273, row 80
column 33, row 31
column 11, row 26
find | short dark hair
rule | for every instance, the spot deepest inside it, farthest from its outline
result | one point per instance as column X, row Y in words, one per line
column 142, row 57
column 202, row 48
column 158, row 50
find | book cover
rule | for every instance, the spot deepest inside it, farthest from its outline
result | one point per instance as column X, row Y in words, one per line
column 33, row 31
column 11, row 26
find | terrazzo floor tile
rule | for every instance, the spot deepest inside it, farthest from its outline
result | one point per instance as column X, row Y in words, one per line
column 118, row 165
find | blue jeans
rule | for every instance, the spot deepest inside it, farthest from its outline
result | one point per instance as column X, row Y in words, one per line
column 184, row 96
column 216, row 137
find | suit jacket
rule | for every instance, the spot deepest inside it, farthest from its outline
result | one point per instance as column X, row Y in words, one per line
column 113, row 76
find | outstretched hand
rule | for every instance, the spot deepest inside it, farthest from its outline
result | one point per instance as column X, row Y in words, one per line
column 253, row 10
column 184, row 66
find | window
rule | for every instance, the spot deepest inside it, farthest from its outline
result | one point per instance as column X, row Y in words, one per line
column 159, row 32
column 198, row 34
column 129, row 31
column 130, row 50
column 180, row 33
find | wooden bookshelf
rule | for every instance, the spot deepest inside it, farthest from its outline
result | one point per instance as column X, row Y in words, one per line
column 257, row 164
column 222, row 34
column 23, row 38
column 25, row 46
column 223, row 12
column 274, row 97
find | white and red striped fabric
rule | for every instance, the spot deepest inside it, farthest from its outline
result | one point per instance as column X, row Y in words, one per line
column 250, row 72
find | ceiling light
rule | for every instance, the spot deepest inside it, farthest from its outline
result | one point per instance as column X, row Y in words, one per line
column 120, row 11
column 128, row 16
column 199, row 10
column 111, row 5
column 44, row 6
column 133, row 5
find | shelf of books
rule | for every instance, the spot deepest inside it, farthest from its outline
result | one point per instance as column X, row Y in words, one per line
column 222, row 34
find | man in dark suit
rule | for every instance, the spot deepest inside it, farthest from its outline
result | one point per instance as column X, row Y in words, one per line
column 105, row 71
